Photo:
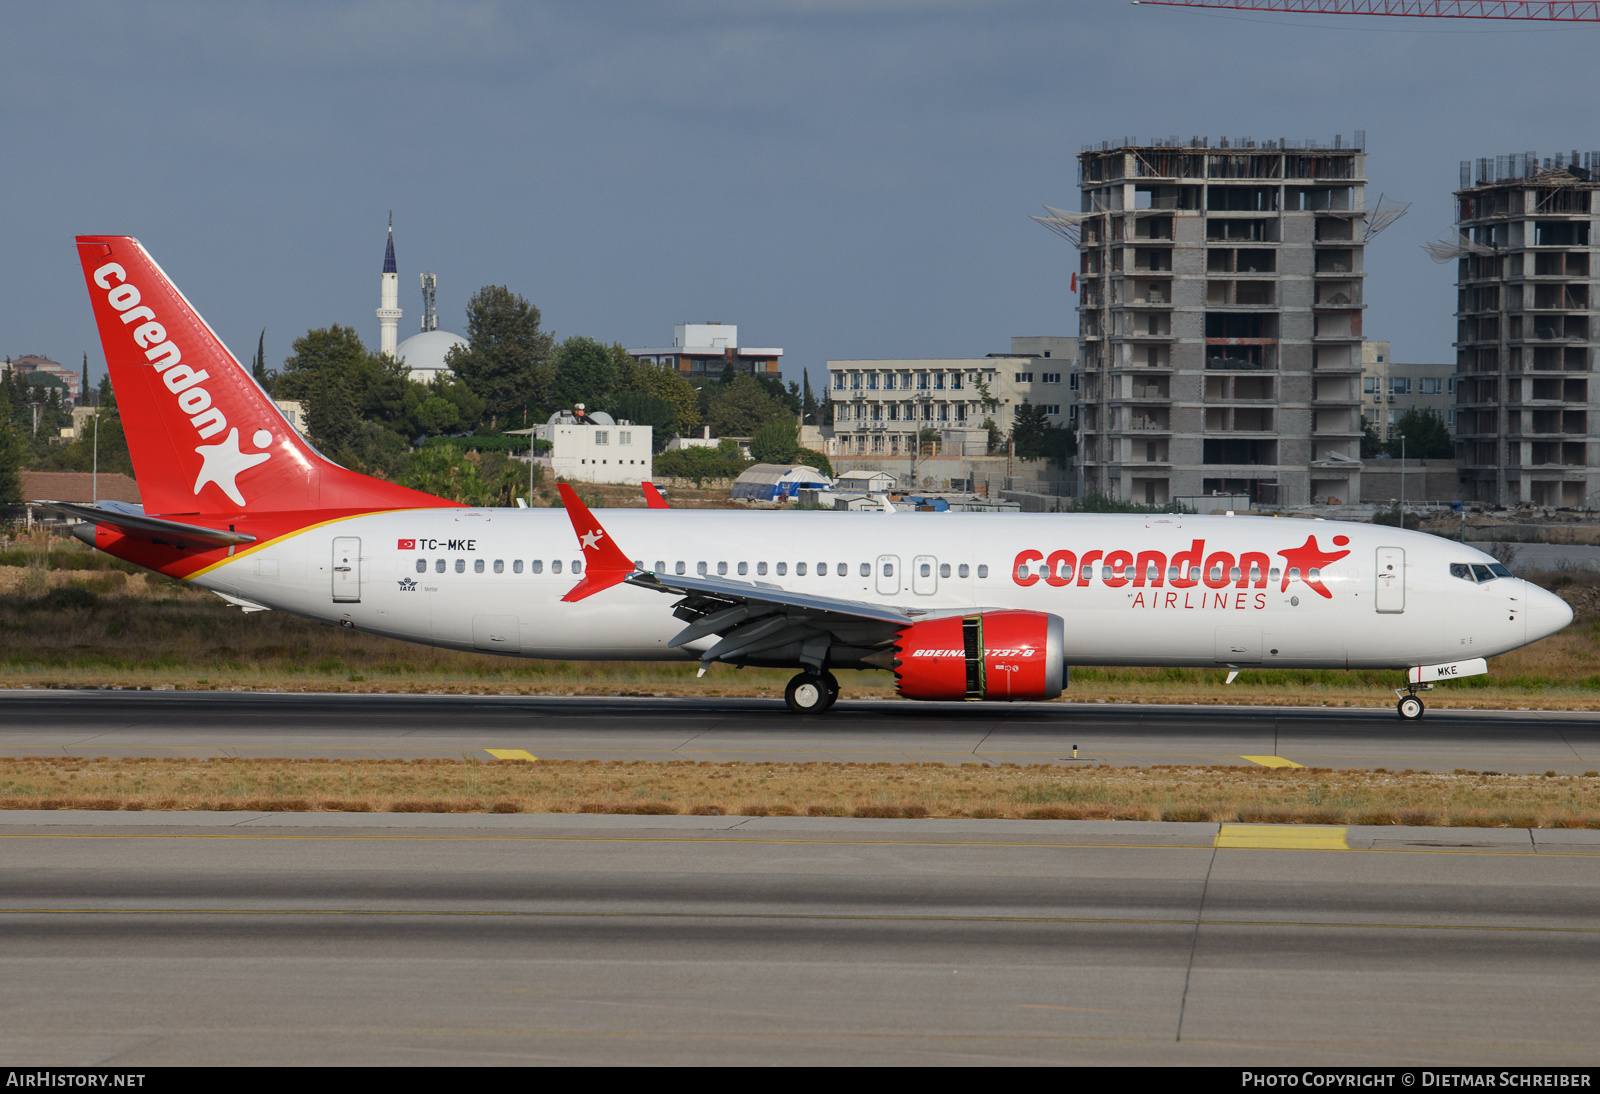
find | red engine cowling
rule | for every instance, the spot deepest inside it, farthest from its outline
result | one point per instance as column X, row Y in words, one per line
column 989, row 655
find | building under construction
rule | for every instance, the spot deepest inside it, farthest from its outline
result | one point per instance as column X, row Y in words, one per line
column 1220, row 316
column 1525, row 329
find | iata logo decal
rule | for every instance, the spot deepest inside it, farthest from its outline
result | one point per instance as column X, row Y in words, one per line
column 221, row 462
column 407, row 585
column 1189, row 579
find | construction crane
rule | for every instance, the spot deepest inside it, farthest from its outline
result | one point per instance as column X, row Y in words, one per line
column 1564, row 11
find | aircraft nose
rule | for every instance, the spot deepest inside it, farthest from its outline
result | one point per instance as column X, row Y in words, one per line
column 1547, row 612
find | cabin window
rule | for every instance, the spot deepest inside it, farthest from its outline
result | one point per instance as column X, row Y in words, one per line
column 422, row 565
column 536, row 566
column 661, row 566
column 678, row 568
column 744, row 568
column 842, row 569
column 927, row 569
column 783, row 568
column 461, row 565
column 761, row 569
column 577, row 565
column 555, row 566
column 700, row 568
column 477, row 565
column 799, row 569
column 499, row 565
column 722, row 569
column 1272, row 574
column 438, row 566
column 888, row 569
column 983, row 571
column 516, row 565
column 866, row 569
column 962, row 571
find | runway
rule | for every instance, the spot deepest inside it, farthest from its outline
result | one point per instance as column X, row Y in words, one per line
column 310, row 939
column 134, row 723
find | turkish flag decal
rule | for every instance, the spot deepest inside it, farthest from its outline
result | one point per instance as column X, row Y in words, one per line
column 408, row 545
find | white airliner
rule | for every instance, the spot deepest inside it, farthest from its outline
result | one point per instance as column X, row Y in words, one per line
column 957, row 606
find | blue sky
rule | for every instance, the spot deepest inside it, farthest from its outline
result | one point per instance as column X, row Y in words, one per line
column 840, row 179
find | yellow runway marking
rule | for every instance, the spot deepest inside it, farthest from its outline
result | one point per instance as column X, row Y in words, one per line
column 1283, row 837
column 1271, row 761
column 511, row 754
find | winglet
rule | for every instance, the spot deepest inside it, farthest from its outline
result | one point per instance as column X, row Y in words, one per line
column 652, row 496
column 604, row 564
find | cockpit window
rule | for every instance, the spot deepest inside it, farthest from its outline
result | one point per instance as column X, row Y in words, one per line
column 1461, row 570
column 1482, row 573
column 1499, row 570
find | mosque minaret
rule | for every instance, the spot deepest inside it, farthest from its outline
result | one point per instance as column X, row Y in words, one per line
column 389, row 313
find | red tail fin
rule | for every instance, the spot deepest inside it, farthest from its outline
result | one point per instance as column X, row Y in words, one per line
column 205, row 439
column 604, row 564
column 653, row 498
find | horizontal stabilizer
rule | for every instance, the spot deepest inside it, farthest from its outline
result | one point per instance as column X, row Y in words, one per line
column 140, row 525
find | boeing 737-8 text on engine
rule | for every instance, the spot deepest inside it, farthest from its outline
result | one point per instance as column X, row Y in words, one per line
column 957, row 606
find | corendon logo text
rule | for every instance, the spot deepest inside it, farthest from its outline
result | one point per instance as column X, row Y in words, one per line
column 1193, row 569
column 223, row 461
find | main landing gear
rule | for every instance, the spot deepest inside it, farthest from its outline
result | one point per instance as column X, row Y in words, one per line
column 811, row 693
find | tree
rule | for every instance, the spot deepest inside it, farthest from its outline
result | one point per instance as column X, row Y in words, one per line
column 443, row 405
column 1426, row 436
column 1371, row 443
column 662, row 382
column 742, row 406
column 13, row 453
column 645, row 409
column 585, row 372
column 258, row 363
column 506, row 362
column 330, row 372
column 1035, row 438
column 776, row 442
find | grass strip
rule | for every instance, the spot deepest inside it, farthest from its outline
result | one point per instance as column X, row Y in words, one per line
column 1039, row 791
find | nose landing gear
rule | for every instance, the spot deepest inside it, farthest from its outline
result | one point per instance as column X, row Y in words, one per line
column 1410, row 706
column 811, row 693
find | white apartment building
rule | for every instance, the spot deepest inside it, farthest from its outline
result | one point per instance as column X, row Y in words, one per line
column 603, row 451
column 879, row 406
column 1389, row 389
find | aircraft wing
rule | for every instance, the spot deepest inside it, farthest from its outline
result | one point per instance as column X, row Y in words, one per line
column 137, row 523
column 751, row 618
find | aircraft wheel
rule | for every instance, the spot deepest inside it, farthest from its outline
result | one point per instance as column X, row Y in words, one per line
column 808, row 693
column 1410, row 708
column 833, row 687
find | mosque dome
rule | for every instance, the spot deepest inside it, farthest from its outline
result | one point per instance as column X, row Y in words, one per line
column 424, row 353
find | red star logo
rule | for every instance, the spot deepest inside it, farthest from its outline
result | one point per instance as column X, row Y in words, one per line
column 1308, row 558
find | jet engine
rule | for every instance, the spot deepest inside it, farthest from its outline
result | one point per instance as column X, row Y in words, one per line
column 1000, row 655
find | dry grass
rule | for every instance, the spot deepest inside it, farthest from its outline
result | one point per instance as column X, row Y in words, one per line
column 1250, row 794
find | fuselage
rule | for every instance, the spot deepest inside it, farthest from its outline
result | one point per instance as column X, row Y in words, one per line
column 1133, row 590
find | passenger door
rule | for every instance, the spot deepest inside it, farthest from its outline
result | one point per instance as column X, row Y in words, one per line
column 1391, row 593
column 924, row 575
column 347, row 570
column 888, row 570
